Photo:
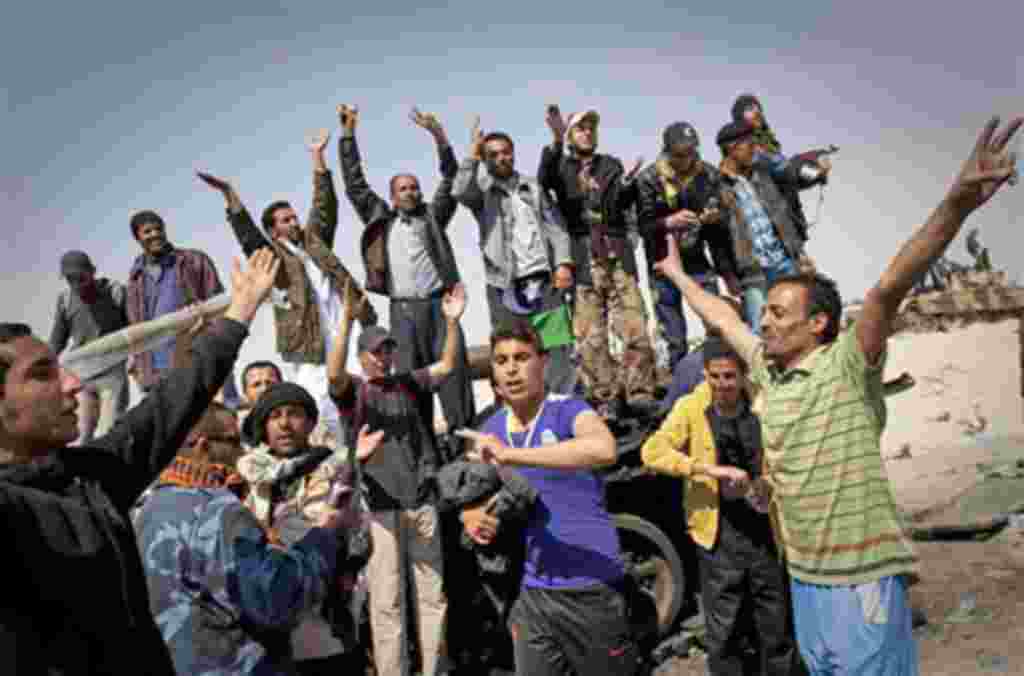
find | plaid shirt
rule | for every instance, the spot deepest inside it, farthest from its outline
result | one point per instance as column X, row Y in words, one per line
column 768, row 248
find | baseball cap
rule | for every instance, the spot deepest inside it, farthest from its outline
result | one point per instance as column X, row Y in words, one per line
column 75, row 262
column 679, row 133
column 373, row 337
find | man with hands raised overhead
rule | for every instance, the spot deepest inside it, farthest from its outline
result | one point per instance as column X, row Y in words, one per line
column 409, row 258
column 400, row 479
column 527, row 256
column 593, row 192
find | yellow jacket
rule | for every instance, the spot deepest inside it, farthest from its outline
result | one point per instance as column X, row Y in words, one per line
column 683, row 443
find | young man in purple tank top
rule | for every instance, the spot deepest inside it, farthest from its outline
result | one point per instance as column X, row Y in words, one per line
column 570, row 617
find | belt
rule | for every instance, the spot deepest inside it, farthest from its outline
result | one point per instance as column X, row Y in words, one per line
column 420, row 299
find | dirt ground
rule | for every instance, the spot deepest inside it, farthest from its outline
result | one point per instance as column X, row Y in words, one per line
column 986, row 640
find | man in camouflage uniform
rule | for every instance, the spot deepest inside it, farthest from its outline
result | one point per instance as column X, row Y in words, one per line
column 593, row 191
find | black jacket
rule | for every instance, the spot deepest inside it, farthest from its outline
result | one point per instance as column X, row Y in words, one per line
column 74, row 598
column 558, row 173
column 653, row 207
column 378, row 216
column 774, row 191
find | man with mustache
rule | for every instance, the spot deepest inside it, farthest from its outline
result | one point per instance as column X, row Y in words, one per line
column 409, row 258
column 527, row 255
column 824, row 412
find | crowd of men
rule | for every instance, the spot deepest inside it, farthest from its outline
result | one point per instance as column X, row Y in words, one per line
column 210, row 532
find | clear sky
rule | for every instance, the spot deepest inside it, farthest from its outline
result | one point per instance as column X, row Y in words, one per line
column 112, row 106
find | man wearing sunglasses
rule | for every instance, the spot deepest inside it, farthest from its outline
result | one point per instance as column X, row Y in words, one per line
column 89, row 308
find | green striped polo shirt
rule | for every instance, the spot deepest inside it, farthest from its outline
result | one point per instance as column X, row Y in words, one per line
column 822, row 422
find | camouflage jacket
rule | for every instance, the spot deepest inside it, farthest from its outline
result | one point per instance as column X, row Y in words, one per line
column 224, row 599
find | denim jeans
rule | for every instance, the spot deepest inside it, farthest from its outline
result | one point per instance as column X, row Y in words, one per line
column 755, row 297
column 668, row 308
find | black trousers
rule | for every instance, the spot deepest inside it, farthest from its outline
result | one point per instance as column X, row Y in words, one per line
column 745, row 595
column 572, row 632
column 420, row 328
column 352, row 662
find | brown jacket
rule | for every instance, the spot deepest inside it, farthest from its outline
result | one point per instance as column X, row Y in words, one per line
column 378, row 217
column 299, row 334
column 197, row 281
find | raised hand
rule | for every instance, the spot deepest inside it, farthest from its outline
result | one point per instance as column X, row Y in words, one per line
column 454, row 302
column 671, row 266
column 348, row 116
column 633, row 170
column 250, row 288
column 317, row 140
column 429, row 122
column 367, row 442
column 987, row 168
column 476, row 140
column 555, row 121
column 218, row 184
column 351, row 301
column 223, row 187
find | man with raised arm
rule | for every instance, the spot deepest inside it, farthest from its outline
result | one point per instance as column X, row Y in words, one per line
column 66, row 509
column 409, row 259
column 307, row 300
column 593, row 192
column 823, row 414
column 527, row 255
column 570, row 617
column 400, row 479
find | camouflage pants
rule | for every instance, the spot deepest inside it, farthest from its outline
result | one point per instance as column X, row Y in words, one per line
column 613, row 295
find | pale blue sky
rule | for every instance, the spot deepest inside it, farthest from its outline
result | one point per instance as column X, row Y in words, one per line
column 111, row 107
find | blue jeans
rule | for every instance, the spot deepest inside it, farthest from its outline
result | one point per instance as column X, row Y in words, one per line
column 668, row 308
column 755, row 297
column 855, row 630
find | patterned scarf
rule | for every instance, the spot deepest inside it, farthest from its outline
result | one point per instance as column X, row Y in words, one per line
column 192, row 473
column 673, row 183
column 765, row 138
